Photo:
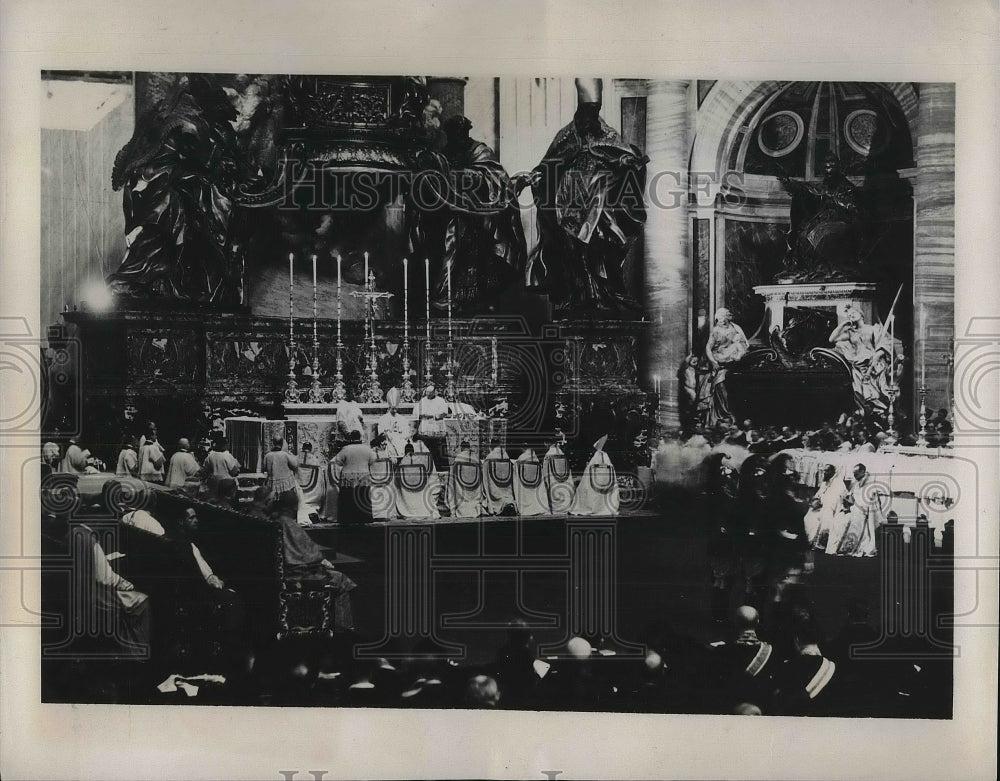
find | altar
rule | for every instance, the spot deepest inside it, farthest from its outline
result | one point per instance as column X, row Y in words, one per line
column 250, row 437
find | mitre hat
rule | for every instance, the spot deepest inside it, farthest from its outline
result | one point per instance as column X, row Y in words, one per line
column 589, row 90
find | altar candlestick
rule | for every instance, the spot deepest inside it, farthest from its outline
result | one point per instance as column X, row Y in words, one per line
column 427, row 283
column 406, row 299
column 291, row 284
column 338, row 298
column 314, row 298
column 892, row 351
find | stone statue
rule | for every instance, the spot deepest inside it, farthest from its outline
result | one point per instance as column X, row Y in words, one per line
column 588, row 190
column 727, row 345
column 180, row 171
column 867, row 348
column 825, row 235
column 468, row 221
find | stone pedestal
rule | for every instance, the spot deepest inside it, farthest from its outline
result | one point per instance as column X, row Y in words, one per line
column 829, row 296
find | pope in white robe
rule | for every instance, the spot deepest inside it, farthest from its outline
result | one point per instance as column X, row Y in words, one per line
column 498, row 481
column 465, row 484
column 597, row 493
column 558, row 480
column 395, row 427
column 529, row 485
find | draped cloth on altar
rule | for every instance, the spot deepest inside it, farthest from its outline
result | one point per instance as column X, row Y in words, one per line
column 597, row 493
column 529, row 485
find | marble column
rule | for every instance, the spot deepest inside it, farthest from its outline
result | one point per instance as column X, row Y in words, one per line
column 666, row 242
column 934, row 243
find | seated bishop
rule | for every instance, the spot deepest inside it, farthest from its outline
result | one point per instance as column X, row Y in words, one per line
column 559, row 486
column 597, row 493
column 394, row 427
column 465, row 484
column 498, row 482
column 417, row 487
column 529, row 485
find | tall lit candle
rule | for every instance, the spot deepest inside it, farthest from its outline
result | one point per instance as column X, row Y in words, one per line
column 427, row 284
column 449, row 303
column 314, row 298
column 291, row 283
column 338, row 298
column 406, row 299
column 366, row 271
column 892, row 350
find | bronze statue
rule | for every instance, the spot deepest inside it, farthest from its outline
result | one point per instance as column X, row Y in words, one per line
column 180, row 171
column 589, row 193
column 468, row 221
column 825, row 235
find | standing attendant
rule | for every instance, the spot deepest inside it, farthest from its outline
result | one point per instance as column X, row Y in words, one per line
column 431, row 411
column 350, row 419
column 152, row 460
column 75, row 460
column 282, row 469
column 183, row 465
column 354, row 462
column 128, row 459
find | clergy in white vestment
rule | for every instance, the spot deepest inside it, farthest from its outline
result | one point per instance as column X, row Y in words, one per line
column 431, row 411
column 559, row 486
column 465, row 484
column 819, row 518
column 383, row 473
column 350, row 419
column 394, row 426
column 498, row 482
column 597, row 493
column 858, row 514
column 529, row 485
column 312, row 488
column 417, row 490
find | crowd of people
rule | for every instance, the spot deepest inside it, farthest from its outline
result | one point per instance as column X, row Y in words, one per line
column 785, row 666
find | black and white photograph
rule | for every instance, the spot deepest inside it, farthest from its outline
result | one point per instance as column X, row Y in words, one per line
column 361, row 393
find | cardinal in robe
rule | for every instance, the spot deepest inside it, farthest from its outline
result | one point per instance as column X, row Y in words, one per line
column 529, row 485
column 597, row 493
column 465, row 484
column 558, row 479
column 417, row 489
column 498, row 482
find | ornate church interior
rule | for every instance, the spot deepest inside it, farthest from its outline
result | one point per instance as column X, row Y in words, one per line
column 585, row 393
